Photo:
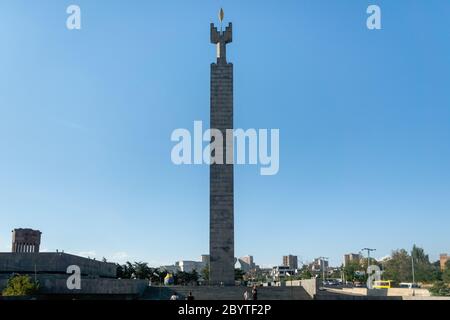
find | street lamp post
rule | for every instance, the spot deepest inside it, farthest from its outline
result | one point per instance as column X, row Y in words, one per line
column 322, row 260
column 368, row 262
column 368, row 255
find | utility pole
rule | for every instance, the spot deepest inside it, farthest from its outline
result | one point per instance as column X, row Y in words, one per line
column 322, row 262
column 368, row 255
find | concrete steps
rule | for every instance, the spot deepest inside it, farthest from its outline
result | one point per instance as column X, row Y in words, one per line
column 226, row 293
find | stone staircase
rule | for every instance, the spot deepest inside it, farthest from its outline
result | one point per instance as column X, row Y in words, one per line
column 226, row 293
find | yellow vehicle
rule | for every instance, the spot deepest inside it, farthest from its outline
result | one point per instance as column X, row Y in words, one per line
column 382, row 284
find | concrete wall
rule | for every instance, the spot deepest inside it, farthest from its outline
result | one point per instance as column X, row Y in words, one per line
column 310, row 285
column 402, row 292
column 54, row 284
column 427, row 298
column 394, row 292
column 336, row 296
column 53, row 263
column 96, row 286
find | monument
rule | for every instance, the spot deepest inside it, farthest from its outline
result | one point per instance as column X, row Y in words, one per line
column 25, row 240
column 221, row 267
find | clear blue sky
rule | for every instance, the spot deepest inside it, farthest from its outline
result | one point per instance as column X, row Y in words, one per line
column 86, row 118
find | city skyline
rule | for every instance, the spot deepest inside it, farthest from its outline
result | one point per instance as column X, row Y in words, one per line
column 86, row 117
column 121, row 257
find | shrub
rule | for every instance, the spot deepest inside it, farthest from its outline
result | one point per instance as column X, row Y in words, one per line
column 440, row 288
column 20, row 285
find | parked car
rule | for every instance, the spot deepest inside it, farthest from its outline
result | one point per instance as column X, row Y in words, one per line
column 409, row 285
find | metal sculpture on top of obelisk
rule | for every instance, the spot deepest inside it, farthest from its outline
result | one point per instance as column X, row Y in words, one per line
column 221, row 264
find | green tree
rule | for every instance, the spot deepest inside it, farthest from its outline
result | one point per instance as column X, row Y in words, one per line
column 185, row 278
column 256, row 276
column 119, row 271
column 398, row 268
column 424, row 271
column 158, row 276
column 142, row 270
column 20, row 285
column 205, row 273
column 180, row 278
column 352, row 271
column 193, row 276
column 440, row 288
column 336, row 274
column 238, row 274
column 446, row 272
column 126, row 271
column 305, row 273
column 436, row 272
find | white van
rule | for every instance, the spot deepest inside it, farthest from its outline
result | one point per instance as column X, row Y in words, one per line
column 409, row 285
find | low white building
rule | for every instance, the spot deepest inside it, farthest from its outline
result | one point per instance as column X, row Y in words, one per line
column 173, row 269
column 280, row 272
column 189, row 266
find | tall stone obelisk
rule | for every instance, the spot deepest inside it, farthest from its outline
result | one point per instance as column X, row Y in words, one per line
column 221, row 270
